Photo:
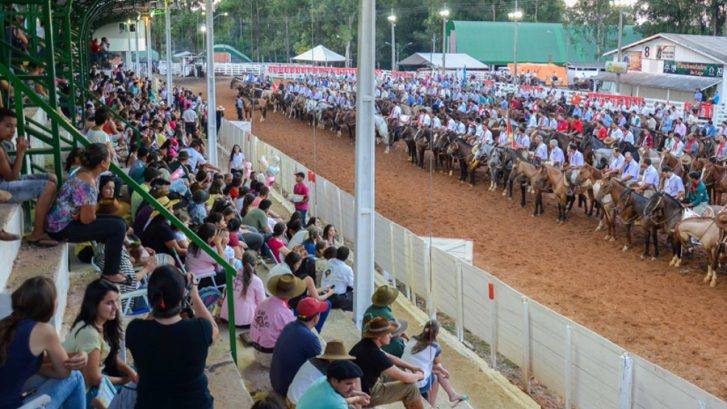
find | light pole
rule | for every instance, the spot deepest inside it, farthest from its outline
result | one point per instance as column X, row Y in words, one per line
column 147, row 26
column 137, row 69
column 444, row 13
column 515, row 16
column 392, row 20
column 168, row 32
column 128, row 44
column 620, row 4
column 211, row 94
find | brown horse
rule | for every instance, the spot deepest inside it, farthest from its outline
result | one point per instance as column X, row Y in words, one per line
column 609, row 195
column 527, row 174
column 705, row 230
column 633, row 206
column 556, row 179
column 715, row 176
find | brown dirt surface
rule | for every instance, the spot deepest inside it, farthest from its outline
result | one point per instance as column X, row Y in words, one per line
column 661, row 313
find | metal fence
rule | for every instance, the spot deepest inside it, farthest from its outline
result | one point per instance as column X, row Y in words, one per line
column 586, row 369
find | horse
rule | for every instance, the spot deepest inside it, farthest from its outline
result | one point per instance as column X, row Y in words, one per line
column 461, row 152
column 609, row 196
column 586, row 179
column 715, row 176
column 382, row 131
column 499, row 164
column 556, row 179
column 439, row 149
column 632, row 206
column 705, row 230
column 531, row 174
column 422, row 142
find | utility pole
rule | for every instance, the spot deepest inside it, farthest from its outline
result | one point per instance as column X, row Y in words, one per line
column 211, row 92
column 168, row 30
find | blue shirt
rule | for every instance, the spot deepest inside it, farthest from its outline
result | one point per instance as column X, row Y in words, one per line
column 321, row 395
column 630, row 169
column 607, row 120
column 556, row 156
column 673, row 186
column 651, row 176
column 296, row 344
column 575, row 159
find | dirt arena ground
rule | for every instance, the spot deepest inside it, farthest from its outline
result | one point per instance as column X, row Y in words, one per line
column 664, row 314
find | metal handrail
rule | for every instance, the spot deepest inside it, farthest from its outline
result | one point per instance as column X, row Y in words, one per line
column 20, row 86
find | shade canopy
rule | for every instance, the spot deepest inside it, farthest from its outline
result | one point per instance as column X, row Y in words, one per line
column 320, row 54
column 454, row 61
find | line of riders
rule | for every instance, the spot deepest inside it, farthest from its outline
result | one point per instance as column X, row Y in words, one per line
column 626, row 161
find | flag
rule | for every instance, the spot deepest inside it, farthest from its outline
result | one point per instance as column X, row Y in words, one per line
column 509, row 129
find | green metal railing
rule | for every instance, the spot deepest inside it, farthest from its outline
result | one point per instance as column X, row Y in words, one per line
column 58, row 121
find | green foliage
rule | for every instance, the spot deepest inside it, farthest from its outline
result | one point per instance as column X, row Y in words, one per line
column 705, row 17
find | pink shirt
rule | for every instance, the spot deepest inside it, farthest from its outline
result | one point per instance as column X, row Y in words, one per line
column 270, row 318
column 301, row 189
column 200, row 264
column 245, row 305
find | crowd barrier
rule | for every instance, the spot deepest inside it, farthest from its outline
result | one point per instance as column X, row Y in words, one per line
column 584, row 368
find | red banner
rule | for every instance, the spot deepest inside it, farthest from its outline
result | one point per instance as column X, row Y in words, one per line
column 706, row 111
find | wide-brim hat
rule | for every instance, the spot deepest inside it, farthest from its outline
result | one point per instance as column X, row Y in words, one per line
column 686, row 159
column 286, row 286
column 335, row 351
column 166, row 202
column 609, row 141
column 108, row 206
column 403, row 326
column 384, row 296
column 380, row 326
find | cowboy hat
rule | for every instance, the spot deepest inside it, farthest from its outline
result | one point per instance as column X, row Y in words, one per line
column 335, row 351
column 380, row 326
column 384, row 296
column 220, row 108
column 609, row 141
column 686, row 159
column 286, row 286
column 166, row 202
column 108, row 206
column 403, row 325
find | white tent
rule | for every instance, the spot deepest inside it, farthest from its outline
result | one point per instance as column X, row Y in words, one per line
column 320, row 54
column 454, row 61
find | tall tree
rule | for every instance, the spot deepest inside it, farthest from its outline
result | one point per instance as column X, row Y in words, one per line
column 593, row 19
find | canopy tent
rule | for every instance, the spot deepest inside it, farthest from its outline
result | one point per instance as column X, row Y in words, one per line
column 454, row 61
column 320, row 54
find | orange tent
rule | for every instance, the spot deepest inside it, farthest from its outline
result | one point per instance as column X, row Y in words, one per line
column 543, row 71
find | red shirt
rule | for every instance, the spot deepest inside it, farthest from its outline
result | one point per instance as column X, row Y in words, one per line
column 577, row 125
column 562, row 125
column 275, row 246
column 301, row 189
column 602, row 133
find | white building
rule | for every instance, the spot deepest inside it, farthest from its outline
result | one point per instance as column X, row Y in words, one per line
column 672, row 67
column 120, row 39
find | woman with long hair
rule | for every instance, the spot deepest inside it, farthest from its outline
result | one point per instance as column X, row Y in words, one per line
column 199, row 262
column 330, row 235
column 97, row 332
column 277, row 243
column 27, row 339
column 249, row 292
column 73, row 215
column 170, row 352
column 423, row 351
column 236, row 159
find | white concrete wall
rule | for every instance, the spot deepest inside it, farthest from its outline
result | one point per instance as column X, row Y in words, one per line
column 653, row 65
column 119, row 41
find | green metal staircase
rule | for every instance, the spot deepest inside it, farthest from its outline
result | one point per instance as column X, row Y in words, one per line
column 51, row 73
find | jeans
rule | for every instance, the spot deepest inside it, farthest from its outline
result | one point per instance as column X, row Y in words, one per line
column 254, row 241
column 302, row 213
column 109, row 230
column 68, row 393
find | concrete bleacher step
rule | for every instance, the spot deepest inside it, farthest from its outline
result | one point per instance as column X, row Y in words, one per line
column 19, row 261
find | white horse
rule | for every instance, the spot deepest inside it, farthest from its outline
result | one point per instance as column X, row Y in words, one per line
column 382, row 130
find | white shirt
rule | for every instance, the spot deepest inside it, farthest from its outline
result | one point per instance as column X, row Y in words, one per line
column 673, row 185
column 195, row 158
column 298, row 238
column 616, row 162
column 651, row 176
column 339, row 274
column 189, row 115
column 98, row 136
column 304, row 378
column 630, row 169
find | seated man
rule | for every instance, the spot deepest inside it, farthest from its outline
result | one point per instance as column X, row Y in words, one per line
column 649, row 179
column 374, row 362
column 673, row 185
column 316, row 368
column 337, row 390
column 297, row 343
column 272, row 315
column 339, row 276
column 381, row 301
column 17, row 188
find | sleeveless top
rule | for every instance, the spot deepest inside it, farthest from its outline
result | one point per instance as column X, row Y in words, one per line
column 20, row 365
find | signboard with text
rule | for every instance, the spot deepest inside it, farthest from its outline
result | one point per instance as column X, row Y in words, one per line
column 693, row 68
column 665, row 52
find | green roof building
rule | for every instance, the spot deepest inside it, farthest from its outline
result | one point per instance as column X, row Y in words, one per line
column 492, row 42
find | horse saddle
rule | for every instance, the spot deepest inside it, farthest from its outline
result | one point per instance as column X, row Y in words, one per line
column 475, row 148
column 404, row 119
column 688, row 214
column 721, row 219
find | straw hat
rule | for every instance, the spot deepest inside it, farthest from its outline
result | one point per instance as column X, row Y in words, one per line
column 686, row 159
column 166, row 202
column 335, row 351
column 108, row 206
column 384, row 296
column 286, row 286
column 380, row 326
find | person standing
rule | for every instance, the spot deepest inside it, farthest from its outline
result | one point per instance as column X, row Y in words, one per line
column 301, row 190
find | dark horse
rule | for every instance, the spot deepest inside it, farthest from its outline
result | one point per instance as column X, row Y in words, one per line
column 632, row 207
column 664, row 212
